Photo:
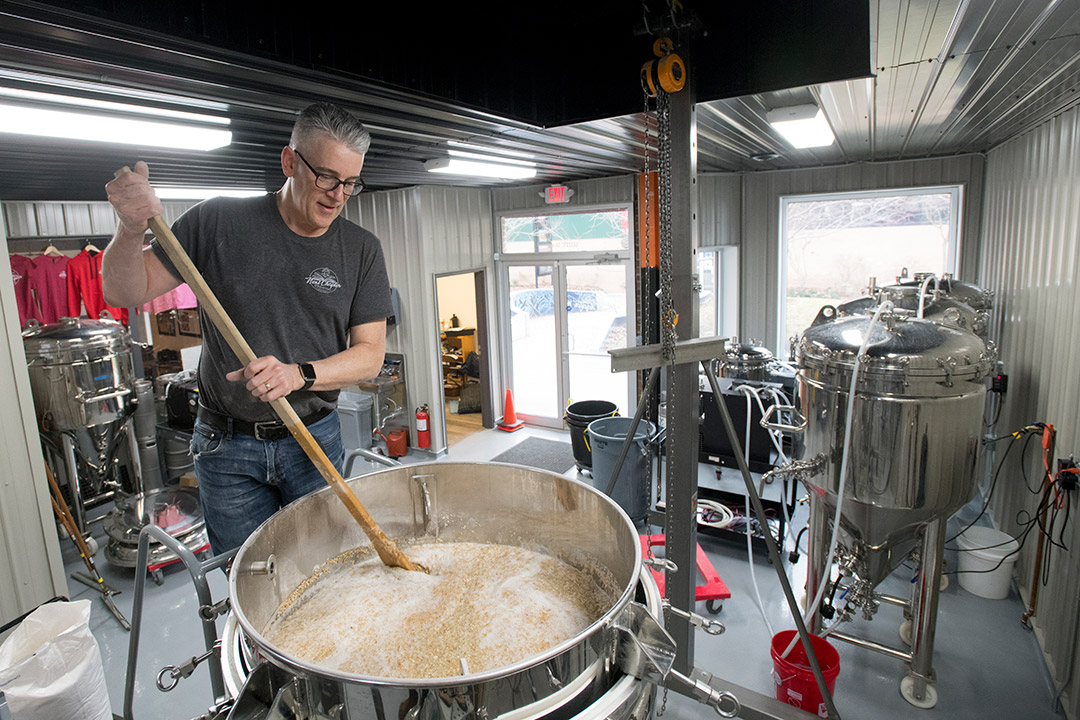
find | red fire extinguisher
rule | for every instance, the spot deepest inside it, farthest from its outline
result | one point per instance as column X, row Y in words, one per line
column 423, row 435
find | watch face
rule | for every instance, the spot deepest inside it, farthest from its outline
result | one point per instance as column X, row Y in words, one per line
column 307, row 370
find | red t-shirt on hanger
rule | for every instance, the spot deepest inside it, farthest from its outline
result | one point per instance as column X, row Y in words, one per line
column 84, row 288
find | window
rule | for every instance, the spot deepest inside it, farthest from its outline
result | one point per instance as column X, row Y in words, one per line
column 833, row 244
column 718, row 300
column 601, row 231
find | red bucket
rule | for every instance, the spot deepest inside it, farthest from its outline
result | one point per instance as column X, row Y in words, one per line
column 795, row 683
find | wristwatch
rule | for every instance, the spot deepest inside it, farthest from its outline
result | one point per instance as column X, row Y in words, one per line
column 307, row 371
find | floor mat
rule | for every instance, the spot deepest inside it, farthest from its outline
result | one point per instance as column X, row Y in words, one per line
column 550, row 455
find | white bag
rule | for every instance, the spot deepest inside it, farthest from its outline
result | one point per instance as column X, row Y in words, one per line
column 50, row 666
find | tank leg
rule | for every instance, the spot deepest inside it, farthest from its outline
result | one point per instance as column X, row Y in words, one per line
column 817, row 550
column 918, row 686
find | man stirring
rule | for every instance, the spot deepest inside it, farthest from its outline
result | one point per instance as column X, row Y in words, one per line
column 306, row 289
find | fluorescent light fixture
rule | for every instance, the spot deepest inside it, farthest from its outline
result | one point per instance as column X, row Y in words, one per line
column 804, row 126
column 171, row 193
column 481, row 168
column 168, row 132
column 458, row 147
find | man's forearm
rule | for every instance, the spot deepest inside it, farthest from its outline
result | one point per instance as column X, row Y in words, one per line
column 123, row 272
column 359, row 362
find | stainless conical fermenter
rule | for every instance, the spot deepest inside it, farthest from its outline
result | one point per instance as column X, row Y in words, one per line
column 912, row 455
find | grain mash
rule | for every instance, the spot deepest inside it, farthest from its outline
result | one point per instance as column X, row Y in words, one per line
column 487, row 605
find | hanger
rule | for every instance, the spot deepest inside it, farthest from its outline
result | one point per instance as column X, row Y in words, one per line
column 51, row 251
column 90, row 247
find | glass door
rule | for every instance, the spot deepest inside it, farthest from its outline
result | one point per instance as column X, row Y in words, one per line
column 564, row 317
column 534, row 335
column 595, row 323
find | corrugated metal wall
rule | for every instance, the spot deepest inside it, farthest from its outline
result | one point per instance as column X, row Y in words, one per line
column 428, row 231
column 760, row 208
column 31, row 568
column 719, row 219
column 1031, row 258
column 58, row 220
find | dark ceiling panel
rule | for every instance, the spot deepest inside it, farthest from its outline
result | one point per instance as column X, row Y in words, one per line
column 547, row 64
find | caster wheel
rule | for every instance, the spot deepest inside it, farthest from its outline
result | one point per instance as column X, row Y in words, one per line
column 158, row 576
column 905, row 632
column 907, row 689
column 92, row 545
column 714, row 606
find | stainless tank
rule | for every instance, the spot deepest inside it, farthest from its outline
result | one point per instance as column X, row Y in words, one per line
column 81, row 372
column 916, row 431
column 484, row 502
column 745, row 361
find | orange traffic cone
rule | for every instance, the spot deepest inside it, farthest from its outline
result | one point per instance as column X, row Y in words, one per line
column 509, row 422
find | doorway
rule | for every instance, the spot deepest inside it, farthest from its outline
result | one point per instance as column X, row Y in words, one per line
column 566, row 290
column 460, row 301
column 565, row 315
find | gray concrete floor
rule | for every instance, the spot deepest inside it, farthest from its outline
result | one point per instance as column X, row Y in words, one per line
column 987, row 665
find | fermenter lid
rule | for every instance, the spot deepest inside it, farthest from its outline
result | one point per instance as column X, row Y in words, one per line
column 71, row 333
column 896, row 341
column 747, row 352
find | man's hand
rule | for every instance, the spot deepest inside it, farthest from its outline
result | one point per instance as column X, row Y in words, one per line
column 134, row 200
column 268, row 378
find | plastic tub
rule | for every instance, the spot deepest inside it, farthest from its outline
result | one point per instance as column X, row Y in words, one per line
column 606, row 437
column 578, row 416
column 795, row 682
column 986, row 561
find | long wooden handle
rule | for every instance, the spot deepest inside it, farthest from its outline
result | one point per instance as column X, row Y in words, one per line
column 388, row 550
column 63, row 513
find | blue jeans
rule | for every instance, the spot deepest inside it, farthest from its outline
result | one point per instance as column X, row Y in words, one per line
column 243, row 481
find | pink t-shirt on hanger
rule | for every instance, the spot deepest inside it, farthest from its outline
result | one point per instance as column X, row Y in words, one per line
column 48, row 278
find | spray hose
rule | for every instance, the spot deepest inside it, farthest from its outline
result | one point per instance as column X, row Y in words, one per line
column 813, row 607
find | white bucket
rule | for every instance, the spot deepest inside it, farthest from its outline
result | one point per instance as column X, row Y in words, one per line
column 983, row 572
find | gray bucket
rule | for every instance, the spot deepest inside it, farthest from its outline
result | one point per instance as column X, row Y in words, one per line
column 606, row 437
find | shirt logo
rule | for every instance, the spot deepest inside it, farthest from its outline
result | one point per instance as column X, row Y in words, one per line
column 62, row 274
column 16, row 278
column 324, row 280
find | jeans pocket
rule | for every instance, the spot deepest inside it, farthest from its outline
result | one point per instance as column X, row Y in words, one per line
column 206, row 441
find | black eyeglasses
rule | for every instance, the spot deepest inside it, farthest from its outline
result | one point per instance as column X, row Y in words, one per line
column 330, row 183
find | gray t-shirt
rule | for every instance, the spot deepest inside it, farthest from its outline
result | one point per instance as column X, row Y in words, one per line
column 290, row 296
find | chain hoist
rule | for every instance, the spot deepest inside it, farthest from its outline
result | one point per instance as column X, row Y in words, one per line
column 661, row 76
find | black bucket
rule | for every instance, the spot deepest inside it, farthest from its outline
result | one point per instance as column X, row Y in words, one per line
column 578, row 416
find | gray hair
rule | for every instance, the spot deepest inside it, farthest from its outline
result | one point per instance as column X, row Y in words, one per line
column 331, row 120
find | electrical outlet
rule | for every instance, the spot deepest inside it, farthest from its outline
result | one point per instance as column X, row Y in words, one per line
column 1068, row 480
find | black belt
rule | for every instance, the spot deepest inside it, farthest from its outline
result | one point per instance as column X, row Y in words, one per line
column 269, row 430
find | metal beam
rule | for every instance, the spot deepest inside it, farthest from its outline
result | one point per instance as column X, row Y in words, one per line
column 682, row 385
column 687, row 352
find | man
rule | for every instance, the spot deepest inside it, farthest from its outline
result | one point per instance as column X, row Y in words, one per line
column 307, row 290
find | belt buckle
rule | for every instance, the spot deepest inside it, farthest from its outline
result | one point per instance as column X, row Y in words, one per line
column 270, row 431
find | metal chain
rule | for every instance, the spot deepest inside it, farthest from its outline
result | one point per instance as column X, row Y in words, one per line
column 663, row 705
column 647, row 320
column 668, row 318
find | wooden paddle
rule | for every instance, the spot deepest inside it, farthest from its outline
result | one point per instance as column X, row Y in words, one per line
column 388, row 551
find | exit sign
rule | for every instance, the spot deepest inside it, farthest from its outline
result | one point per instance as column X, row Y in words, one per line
column 557, row 194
